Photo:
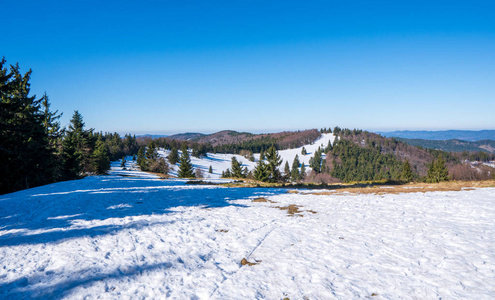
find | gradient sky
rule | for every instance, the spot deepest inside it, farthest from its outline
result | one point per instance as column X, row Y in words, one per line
column 260, row 66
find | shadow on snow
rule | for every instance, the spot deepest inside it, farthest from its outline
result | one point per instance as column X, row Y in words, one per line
column 49, row 214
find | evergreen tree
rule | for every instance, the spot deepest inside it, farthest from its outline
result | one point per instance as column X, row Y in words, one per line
column 210, row 170
column 315, row 161
column 25, row 152
column 77, row 148
column 151, row 151
column 261, row 172
column 262, row 155
column 303, row 172
column 328, row 147
column 295, row 175
column 437, row 171
column 274, row 161
column 406, row 174
column 185, row 166
column 287, row 169
column 122, row 163
column 236, row 168
column 101, row 162
column 54, row 137
column 303, row 151
column 173, row 157
column 226, row 174
column 141, row 159
column 50, row 122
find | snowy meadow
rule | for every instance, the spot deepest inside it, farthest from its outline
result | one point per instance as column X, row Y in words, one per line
column 133, row 235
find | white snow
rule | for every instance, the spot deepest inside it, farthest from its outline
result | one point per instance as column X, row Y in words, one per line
column 290, row 154
column 221, row 162
column 218, row 162
column 121, row 237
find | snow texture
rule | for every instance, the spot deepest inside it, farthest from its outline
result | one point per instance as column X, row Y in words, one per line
column 132, row 235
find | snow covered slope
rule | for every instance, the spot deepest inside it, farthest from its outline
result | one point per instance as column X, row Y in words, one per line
column 222, row 162
column 132, row 236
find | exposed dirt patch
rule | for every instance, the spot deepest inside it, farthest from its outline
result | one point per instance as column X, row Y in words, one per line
column 245, row 262
column 222, row 230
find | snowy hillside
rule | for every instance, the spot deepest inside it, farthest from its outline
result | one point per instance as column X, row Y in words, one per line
column 132, row 235
column 222, row 162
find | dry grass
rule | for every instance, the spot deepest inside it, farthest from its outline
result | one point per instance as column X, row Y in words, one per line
column 222, row 230
column 261, row 199
column 410, row 188
column 245, row 262
column 292, row 210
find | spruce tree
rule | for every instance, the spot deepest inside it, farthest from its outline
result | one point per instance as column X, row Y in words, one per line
column 77, row 146
column 329, row 147
column 141, row 160
column 262, row 155
column 151, row 151
column 210, row 170
column 437, row 171
column 122, row 163
column 287, row 169
column 303, row 172
column 295, row 175
column 406, row 174
column 315, row 161
column 261, row 172
column 101, row 161
column 303, row 151
column 226, row 174
column 236, row 168
column 274, row 161
column 173, row 157
column 185, row 166
column 25, row 152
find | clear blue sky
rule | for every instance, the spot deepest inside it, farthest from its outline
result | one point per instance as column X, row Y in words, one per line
column 204, row 66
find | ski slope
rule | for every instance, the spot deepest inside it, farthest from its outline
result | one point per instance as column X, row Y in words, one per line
column 222, row 162
column 130, row 235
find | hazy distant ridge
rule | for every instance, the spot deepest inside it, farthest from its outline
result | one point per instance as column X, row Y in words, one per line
column 465, row 135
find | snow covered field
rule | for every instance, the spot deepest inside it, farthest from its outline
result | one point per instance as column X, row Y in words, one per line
column 137, row 236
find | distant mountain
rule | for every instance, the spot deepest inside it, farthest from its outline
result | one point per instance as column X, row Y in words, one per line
column 464, row 135
column 453, row 145
column 153, row 136
column 283, row 139
column 188, row 136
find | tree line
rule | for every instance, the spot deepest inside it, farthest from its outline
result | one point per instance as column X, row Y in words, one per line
column 35, row 150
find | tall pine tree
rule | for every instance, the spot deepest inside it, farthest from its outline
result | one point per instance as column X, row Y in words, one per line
column 25, row 150
column 236, row 168
column 274, row 161
column 295, row 175
column 185, row 166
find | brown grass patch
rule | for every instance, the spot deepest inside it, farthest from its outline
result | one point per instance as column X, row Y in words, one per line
column 222, row 230
column 261, row 199
column 292, row 209
column 412, row 188
column 245, row 262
